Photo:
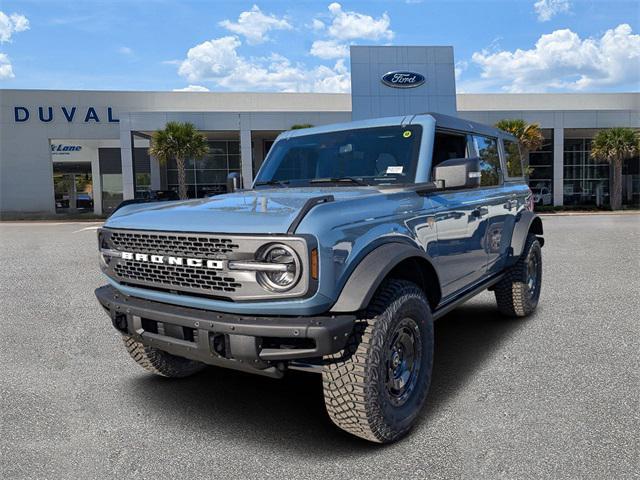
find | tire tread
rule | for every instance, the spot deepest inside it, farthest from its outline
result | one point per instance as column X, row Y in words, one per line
column 347, row 383
column 159, row 362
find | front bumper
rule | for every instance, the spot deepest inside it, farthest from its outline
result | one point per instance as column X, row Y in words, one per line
column 250, row 343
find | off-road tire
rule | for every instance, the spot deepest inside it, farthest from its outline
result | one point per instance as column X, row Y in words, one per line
column 159, row 362
column 513, row 295
column 355, row 389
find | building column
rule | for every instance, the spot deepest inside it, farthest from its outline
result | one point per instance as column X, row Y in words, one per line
column 156, row 183
column 558, row 166
column 246, row 157
column 96, row 183
column 126, row 157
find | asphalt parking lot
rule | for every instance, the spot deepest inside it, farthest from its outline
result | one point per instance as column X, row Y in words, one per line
column 556, row 395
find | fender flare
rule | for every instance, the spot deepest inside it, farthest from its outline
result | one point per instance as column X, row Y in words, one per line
column 371, row 271
column 526, row 222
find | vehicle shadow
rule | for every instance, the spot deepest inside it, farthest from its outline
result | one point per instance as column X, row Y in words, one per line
column 251, row 408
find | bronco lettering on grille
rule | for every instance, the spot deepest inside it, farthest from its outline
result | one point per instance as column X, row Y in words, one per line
column 168, row 260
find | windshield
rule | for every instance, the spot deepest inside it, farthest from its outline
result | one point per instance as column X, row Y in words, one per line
column 380, row 155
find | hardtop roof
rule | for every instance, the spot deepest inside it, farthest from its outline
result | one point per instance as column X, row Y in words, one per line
column 442, row 121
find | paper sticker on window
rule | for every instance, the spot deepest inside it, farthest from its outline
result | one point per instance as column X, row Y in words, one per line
column 395, row 169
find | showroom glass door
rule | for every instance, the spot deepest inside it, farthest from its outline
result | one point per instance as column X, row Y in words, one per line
column 73, row 187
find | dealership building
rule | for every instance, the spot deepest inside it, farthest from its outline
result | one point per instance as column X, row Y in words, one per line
column 85, row 151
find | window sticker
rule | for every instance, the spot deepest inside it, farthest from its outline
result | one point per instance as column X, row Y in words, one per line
column 406, row 133
column 395, row 169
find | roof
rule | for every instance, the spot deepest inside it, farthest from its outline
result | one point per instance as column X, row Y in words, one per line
column 441, row 120
column 457, row 123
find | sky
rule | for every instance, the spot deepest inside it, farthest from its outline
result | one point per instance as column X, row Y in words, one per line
column 303, row 46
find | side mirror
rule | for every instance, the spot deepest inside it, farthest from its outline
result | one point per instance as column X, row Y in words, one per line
column 458, row 173
column 233, row 182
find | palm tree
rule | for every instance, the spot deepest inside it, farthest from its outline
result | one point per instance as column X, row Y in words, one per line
column 528, row 134
column 178, row 141
column 614, row 146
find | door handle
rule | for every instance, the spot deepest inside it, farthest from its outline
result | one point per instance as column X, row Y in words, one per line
column 480, row 212
column 511, row 204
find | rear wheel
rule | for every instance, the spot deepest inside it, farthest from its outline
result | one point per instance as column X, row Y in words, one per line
column 160, row 362
column 378, row 390
column 517, row 294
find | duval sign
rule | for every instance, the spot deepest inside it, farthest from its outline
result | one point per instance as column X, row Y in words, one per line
column 66, row 113
column 402, row 79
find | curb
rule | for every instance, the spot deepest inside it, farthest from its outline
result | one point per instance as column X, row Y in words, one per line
column 570, row 214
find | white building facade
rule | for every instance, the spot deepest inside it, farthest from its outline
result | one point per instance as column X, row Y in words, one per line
column 85, row 151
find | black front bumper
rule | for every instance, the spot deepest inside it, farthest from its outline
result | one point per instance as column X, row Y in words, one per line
column 250, row 343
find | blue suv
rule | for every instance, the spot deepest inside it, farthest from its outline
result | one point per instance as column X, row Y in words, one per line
column 352, row 240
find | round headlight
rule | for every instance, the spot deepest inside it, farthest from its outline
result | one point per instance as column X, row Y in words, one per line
column 287, row 275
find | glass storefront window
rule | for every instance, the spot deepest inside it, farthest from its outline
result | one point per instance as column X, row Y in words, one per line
column 111, row 191
column 586, row 180
column 141, row 164
column 541, row 164
column 111, row 176
column 208, row 176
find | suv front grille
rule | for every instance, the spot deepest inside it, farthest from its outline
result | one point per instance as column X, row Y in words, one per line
column 183, row 245
column 163, row 261
column 176, row 277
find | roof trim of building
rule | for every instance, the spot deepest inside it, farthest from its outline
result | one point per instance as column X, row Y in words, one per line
column 547, row 101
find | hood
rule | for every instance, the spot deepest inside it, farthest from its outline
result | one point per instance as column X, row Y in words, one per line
column 252, row 211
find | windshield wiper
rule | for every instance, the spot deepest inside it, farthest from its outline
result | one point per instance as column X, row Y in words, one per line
column 279, row 183
column 338, row 180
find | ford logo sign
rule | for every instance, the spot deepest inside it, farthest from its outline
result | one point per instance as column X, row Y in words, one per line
column 403, row 79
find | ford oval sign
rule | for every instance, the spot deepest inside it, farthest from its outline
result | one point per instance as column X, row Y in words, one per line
column 403, row 79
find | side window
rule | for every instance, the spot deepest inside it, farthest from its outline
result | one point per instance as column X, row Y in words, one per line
column 447, row 146
column 514, row 159
column 489, row 160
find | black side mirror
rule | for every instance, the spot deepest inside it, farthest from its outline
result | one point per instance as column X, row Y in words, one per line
column 233, row 182
column 458, row 173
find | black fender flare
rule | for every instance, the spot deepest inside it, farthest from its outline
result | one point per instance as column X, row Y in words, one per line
column 526, row 222
column 371, row 271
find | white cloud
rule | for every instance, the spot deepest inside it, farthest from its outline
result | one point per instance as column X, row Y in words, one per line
column 547, row 9
column 10, row 24
column 6, row 70
column 347, row 25
column 561, row 60
column 210, row 59
column 328, row 49
column 218, row 61
column 254, row 25
column 192, row 88
column 125, row 51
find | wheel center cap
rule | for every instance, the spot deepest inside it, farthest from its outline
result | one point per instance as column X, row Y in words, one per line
column 395, row 359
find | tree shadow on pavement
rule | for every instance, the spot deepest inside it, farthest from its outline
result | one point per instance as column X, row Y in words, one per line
column 236, row 406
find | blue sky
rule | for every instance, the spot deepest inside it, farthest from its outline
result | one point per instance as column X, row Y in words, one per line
column 500, row 46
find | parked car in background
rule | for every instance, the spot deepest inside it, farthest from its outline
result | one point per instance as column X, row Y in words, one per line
column 542, row 196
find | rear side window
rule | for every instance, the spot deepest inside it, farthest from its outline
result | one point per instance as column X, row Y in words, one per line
column 489, row 160
column 514, row 159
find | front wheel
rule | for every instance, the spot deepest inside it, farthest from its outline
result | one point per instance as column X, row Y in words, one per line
column 378, row 386
column 517, row 294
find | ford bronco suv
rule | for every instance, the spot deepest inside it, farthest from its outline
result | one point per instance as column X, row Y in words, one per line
column 352, row 240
